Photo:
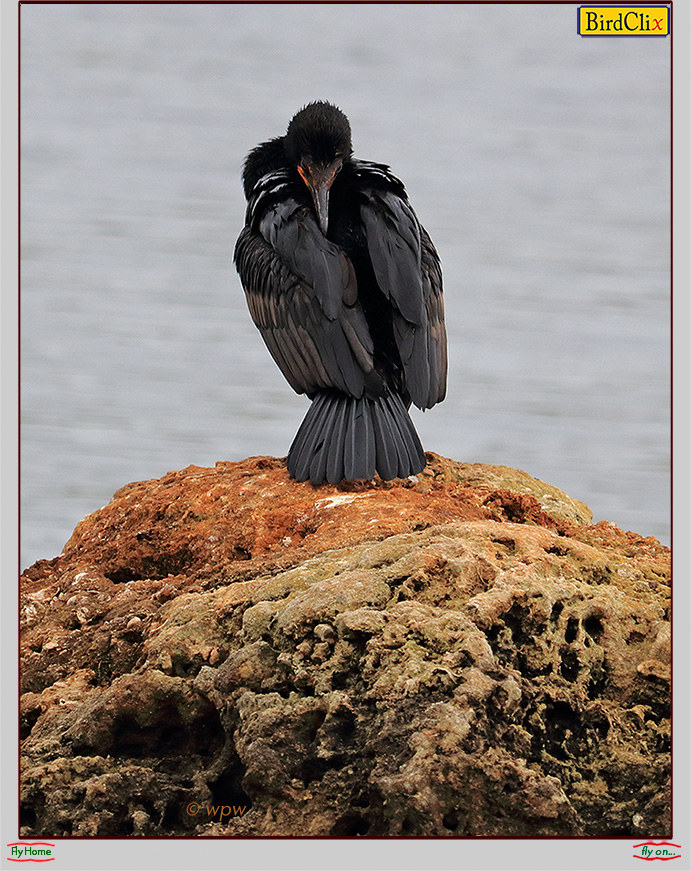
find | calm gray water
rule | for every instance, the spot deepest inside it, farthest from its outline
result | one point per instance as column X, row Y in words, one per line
column 538, row 161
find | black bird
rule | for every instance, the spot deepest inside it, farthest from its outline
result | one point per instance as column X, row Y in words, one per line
column 345, row 287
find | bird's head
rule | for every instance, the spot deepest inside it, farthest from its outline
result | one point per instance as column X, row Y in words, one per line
column 318, row 143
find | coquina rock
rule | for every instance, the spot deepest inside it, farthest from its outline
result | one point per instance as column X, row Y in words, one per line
column 226, row 652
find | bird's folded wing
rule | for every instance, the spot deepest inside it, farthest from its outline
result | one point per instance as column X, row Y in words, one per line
column 289, row 227
column 436, row 325
column 408, row 272
column 303, row 298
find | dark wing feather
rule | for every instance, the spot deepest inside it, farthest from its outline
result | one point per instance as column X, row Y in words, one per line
column 293, row 233
column 393, row 241
column 298, row 286
column 436, row 325
column 408, row 272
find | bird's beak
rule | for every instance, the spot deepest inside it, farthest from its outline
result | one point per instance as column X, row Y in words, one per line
column 319, row 180
column 320, row 195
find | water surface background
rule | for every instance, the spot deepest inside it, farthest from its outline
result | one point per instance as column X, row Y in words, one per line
column 537, row 160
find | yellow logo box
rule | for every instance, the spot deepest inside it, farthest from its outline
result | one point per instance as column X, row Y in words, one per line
column 623, row 20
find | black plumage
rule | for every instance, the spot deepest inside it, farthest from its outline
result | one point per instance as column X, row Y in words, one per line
column 345, row 287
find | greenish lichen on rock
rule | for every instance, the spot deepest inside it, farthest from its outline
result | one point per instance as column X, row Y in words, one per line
column 459, row 655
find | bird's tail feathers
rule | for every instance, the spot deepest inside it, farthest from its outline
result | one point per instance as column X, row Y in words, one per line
column 345, row 437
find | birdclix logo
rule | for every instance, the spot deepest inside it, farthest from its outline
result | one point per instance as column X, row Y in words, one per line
column 623, row 20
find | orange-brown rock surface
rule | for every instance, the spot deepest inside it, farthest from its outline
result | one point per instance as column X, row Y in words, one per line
column 227, row 652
